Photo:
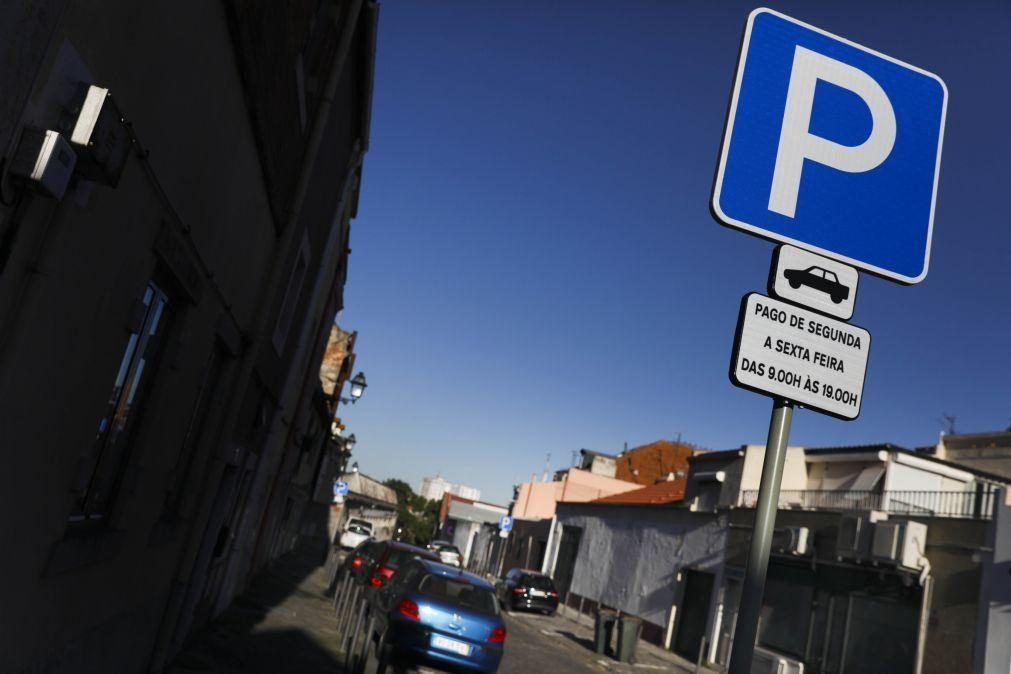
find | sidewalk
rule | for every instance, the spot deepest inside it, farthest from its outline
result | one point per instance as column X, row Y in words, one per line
column 579, row 628
column 283, row 623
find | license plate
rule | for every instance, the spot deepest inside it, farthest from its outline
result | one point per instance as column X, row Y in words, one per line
column 451, row 645
column 538, row 593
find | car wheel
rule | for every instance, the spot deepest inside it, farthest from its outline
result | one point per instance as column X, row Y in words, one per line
column 549, row 611
column 836, row 299
column 795, row 284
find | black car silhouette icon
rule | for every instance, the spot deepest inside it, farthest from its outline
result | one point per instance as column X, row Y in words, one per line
column 819, row 279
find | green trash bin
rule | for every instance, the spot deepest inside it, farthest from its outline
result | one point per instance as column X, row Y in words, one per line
column 629, row 628
column 603, row 627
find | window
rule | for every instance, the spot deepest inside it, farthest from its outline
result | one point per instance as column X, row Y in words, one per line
column 458, row 592
column 101, row 470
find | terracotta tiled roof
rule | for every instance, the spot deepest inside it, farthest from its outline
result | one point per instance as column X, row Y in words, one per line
column 651, row 463
column 661, row 492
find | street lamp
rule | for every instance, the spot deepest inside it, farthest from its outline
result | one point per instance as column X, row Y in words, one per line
column 354, row 467
column 358, row 386
column 349, row 442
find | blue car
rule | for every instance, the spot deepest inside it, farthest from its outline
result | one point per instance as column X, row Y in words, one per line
column 438, row 615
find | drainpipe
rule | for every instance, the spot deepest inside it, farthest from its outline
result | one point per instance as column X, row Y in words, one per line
column 921, row 636
column 260, row 325
column 547, row 566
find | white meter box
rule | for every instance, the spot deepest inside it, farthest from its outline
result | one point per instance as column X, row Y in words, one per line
column 784, row 351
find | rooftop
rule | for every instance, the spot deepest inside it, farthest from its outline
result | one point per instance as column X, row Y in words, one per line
column 977, row 440
column 661, row 492
column 889, row 447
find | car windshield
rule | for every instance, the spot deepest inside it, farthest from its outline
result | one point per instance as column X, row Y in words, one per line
column 359, row 529
column 537, row 582
column 458, row 592
column 448, row 548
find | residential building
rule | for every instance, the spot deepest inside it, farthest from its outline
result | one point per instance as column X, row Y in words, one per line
column 884, row 560
column 537, row 500
column 169, row 310
column 367, row 499
column 986, row 451
column 598, row 463
column 433, row 489
column 467, row 524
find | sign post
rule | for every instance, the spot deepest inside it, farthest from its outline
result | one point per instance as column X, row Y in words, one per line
column 761, row 539
column 843, row 176
column 340, row 490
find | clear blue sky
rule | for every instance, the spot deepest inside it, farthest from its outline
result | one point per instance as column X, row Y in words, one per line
column 535, row 268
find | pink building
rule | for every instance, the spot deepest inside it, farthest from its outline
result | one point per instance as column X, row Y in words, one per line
column 536, row 500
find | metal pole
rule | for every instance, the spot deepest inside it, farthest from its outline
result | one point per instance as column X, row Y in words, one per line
column 746, row 628
column 349, row 653
column 698, row 660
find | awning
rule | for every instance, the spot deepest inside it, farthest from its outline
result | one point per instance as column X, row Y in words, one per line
column 868, row 478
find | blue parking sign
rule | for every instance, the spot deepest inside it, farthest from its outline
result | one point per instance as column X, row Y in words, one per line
column 832, row 147
column 505, row 523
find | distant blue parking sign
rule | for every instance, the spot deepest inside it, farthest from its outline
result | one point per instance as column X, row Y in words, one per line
column 505, row 523
column 832, row 147
column 340, row 488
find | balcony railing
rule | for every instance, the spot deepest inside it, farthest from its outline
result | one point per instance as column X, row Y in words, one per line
column 968, row 504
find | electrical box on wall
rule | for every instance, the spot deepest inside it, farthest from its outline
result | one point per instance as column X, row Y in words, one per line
column 100, row 138
column 45, row 160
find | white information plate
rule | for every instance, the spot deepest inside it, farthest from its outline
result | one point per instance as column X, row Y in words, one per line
column 451, row 645
column 788, row 352
column 812, row 280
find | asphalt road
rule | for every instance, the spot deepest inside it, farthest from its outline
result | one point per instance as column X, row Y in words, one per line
column 537, row 643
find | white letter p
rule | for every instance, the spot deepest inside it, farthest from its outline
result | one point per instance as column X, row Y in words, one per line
column 796, row 143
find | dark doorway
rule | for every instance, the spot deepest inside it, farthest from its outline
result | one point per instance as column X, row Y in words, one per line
column 694, row 612
column 568, row 549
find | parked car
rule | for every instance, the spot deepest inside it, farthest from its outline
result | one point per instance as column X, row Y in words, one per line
column 358, row 563
column 522, row 588
column 435, row 614
column 356, row 532
column 389, row 556
column 448, row 553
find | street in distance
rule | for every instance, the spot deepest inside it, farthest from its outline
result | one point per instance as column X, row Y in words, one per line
column 787, row 352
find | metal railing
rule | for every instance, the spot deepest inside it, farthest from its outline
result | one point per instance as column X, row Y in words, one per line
column 967, row 504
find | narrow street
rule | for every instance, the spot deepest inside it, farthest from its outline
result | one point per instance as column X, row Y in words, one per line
column 285, row 623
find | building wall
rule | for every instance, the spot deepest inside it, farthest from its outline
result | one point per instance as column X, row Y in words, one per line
column 537, row 500
column 604, row 465
column 526, row 545
column 954, row 547
column 664, row 541
column 794, row 470
column 207, row 450
column 433, row 488
column 990, row 452
column 465, row 491
column 992, row 648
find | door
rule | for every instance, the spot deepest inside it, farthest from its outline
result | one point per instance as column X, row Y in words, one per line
column 698, row 593
column 568, row 550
